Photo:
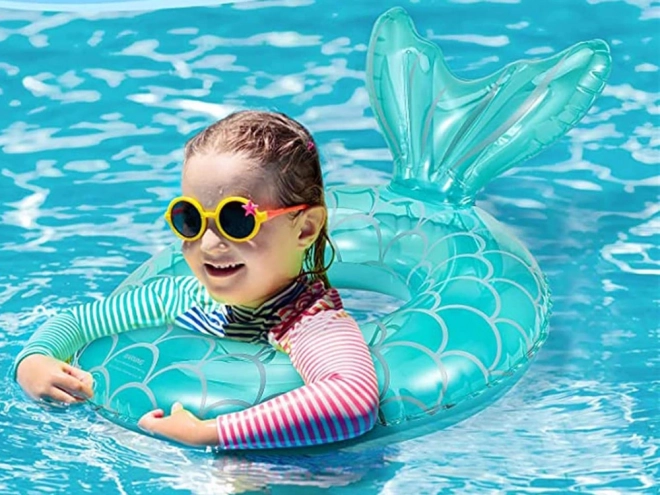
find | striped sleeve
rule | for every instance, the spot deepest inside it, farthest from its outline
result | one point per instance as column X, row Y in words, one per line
column 155, row 303
column 339, row 400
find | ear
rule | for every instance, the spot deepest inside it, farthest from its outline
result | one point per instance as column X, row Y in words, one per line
column 310, row 223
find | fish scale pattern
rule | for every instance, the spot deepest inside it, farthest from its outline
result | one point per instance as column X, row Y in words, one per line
column 474, row 309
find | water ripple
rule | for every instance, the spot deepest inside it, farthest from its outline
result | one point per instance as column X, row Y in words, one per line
column 96, row 107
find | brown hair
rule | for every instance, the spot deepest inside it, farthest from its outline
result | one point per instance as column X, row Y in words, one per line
column 287, row 150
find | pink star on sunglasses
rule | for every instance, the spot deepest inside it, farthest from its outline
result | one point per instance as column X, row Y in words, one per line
column 250, row 208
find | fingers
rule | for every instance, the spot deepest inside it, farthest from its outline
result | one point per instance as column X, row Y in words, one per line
column 60, row 396
column 146, row 422
column 46, row 378
column 73, row 386
column 83, row 376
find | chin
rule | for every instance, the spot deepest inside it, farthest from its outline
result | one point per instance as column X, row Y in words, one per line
column 224, row 294
column 229, row 295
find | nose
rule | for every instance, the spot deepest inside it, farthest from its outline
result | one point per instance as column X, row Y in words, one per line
column 212, row 241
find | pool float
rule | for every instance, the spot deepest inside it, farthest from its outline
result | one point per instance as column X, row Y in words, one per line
column 474, row 303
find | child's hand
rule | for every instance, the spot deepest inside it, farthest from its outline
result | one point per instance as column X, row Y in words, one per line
column 44, row 377
column 181, row 426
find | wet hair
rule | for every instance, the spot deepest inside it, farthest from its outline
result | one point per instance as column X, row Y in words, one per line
column 285, row 149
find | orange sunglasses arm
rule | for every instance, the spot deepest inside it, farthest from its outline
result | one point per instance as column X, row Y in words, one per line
column 281, row 211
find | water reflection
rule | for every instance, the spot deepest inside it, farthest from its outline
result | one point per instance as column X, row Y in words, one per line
column 91, row 136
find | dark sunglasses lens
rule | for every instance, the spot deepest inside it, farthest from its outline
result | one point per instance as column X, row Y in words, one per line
column 186, row 219
column 234, row 222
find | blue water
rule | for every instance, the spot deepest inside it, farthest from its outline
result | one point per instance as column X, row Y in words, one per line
column 94, row 110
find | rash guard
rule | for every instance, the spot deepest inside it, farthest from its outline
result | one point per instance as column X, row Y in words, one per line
column 339, row 398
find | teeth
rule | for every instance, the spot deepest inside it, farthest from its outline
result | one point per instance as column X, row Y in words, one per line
column 225, row 267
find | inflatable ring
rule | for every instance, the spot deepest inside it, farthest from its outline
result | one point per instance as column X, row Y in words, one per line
column 475, row 304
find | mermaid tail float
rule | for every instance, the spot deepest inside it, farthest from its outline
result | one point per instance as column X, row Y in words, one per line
column 475, row 304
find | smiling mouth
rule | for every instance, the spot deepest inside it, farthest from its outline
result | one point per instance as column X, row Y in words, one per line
column 223, row 270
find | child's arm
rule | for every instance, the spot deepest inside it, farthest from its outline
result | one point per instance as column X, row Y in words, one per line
column 338, row 401
column 155, row 303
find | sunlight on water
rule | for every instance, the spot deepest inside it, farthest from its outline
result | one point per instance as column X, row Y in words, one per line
column 95, row 110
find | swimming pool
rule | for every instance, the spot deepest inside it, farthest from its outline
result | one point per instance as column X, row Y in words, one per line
column 94, row 110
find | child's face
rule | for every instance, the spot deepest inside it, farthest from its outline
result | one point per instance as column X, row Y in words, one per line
column 266, row 263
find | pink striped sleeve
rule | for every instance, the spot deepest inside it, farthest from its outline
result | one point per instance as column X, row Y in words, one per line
column 338, row 401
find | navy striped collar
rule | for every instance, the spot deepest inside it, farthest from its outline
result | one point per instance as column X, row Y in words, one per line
column 269, row 308
column 252, row 324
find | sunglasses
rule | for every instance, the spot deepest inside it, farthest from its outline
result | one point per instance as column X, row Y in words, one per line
column 237, row 218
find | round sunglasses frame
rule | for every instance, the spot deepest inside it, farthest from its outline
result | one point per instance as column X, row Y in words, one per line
column 259, row 216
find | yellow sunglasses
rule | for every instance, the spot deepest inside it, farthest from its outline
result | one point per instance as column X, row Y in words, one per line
column 237, row 218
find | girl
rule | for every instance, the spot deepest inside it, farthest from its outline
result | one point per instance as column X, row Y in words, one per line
column 253, row 222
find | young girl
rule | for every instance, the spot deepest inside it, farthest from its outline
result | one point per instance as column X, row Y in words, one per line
column 253, row 222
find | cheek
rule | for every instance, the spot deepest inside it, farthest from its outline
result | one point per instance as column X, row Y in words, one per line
column 272, row 242
column 190, row 253
column 280, row 234
column 283, row 243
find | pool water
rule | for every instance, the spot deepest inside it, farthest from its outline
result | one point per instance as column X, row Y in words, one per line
column 94, row 110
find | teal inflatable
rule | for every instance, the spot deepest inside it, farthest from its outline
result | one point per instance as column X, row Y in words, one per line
column 474, row 303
